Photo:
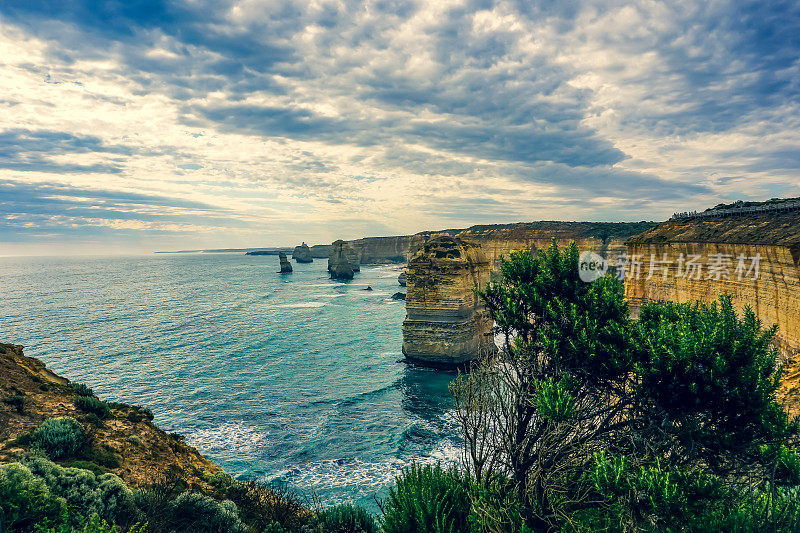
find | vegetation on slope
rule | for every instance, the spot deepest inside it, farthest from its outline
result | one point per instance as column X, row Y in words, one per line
column 585, row 421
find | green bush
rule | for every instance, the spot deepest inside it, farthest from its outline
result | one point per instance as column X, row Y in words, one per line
column 137, row 414
column 192, row 512
column 428, row 499
column 275, row 527
column 103, row 455
column 344, row 518
column 86, row 493
column 17, row 401
column 261, row 504
column 95, row 524
column 81, row 389
column 135, row 440
column 59, row 437
column 25, row 499
column 89, row 404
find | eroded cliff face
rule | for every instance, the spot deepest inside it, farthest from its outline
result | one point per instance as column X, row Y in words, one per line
column 754, row 259
column 343, row 260
column 378, row 250
column 446, row 324
column 302, row 254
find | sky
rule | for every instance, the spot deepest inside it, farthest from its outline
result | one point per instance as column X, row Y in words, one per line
column 129, row 125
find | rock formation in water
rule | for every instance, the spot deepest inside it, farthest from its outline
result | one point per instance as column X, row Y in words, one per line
column 401, row 279
column 439, row 323
column 399, row 296
column 340, row 260
column 446, row 323
column 130, row 445
column 755, row 258
column 286, row 266
column 302, row 254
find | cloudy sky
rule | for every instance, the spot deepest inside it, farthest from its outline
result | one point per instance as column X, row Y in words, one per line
column 141, row 125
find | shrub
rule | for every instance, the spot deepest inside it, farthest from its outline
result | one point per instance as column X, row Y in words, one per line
column 89, row 404
column 95, row 420
column 25, row 499
column 81, row 389
column 196, row 512
column 16, row 401
column 103, row 455
column 428, row 498
column 345, row 519
column 137, row 414
column 87, row 493
column 260, row 504
column 95, row 524
column 135, row 440
column 59, row 437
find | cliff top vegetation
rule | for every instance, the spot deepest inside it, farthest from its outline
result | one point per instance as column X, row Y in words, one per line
column 772, row 228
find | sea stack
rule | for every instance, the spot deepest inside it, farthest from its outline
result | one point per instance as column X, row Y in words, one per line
column 302, row 254
column 339, row 261
column 401, row 279
column 446, row 323
column 286, row 266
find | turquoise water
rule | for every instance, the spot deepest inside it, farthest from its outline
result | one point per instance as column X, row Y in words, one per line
column 293, row 378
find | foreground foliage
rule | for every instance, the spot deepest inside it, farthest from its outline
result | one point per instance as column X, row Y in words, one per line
column 37, row 495
column 597, row 422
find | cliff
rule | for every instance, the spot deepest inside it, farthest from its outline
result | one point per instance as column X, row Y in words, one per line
column 125, row 443
column 444, row 323
column 302, row 254
column 753, row 258
column 382, row 249
column 320, row 251
column 343, row 261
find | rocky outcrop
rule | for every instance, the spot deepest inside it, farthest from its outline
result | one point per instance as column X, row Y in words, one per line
column 40, row 394
column 401, row 279
column 399, row 296
column 446, row 323
column 286, row 266
column 302, row 254
column 340, row 261
column 753, row 258
column 444, row 320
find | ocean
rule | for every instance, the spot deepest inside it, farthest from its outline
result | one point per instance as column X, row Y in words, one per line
column 291, row 378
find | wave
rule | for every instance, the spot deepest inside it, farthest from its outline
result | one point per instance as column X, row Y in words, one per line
column 301, row 305
column 227, row 437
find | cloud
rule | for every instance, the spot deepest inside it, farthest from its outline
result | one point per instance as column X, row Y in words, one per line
column 409, row 114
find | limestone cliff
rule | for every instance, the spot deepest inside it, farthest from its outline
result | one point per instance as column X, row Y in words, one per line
column 302, row 254
column 31, row 393
column 605, row 238
column 343, row 260
column 753, row 258
column 320, row 251
column 377, row 250
column 446, row 324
